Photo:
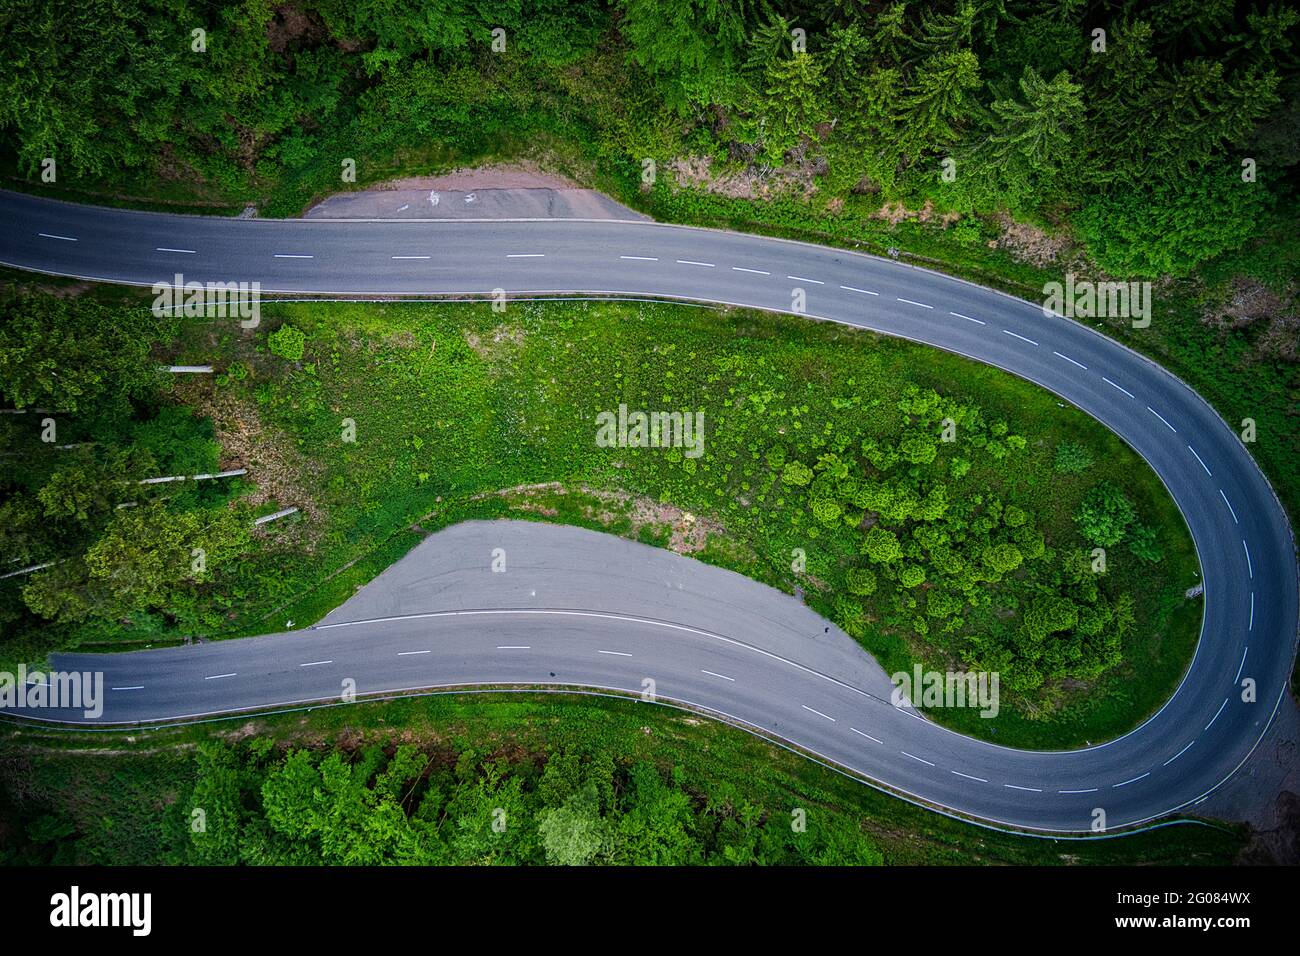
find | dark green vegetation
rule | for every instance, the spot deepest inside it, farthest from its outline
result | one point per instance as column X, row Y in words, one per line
column 825, row 465
column 578, row 778
column 1066, row 156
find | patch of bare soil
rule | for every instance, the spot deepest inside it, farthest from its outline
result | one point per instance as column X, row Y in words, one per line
column 688, row 533
column 747, row 182
column 273, row 463
column 1251, row 303
column 503, row 339
column 522, row 174
column 1028, row 243
column 895, row 212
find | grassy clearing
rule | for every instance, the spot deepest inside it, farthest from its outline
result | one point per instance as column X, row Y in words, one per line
column 453, row 405
column 126, row 798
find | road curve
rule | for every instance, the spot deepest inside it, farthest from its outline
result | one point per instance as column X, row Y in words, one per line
column 1198, row 739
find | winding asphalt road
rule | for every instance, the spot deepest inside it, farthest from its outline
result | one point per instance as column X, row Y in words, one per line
column 706, row 637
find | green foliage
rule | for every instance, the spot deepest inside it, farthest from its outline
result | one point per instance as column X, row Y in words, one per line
column 1104, row 515
column 1072, row 458
column 287, row 342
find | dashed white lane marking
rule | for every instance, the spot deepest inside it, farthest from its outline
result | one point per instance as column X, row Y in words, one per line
column 1230, row 508
column 723, row 676
column 806, row 279
column 514, row 647
column 1133, row 780
column 968, row 776
column 1249, row 567
column 132, row 687
column 291, row 255
column 692, row 262
column 1162, row 418
column 315, row 663
column 1244, row 652
column 188, row 252
column 46, row 235
column 412, row 257
column 615, row 653
column 1217, row 713
column 915, row 757
column 868, row 736
column 1012, row 786
column 1120, row 387
column 411, row 653
column 1070, row 360
column 968, row 319
column 1251, row 626
column 1198, row 458
column 1016, row 335
column 757, row 272
column 817, row 712
column 1089, row 790
column 910, row 302
column 525, row 255
column 1179, row 754
column 220, row 676
column 641, row 258
column 849, row 288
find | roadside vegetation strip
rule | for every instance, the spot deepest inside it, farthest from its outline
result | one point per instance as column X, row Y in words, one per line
column 103, row 789
column 821, row 440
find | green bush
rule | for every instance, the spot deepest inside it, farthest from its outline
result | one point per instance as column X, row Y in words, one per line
column 287, row 342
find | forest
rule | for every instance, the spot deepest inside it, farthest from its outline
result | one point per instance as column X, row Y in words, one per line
column 1164, row 133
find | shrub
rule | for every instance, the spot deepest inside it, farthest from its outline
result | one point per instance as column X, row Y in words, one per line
column 1104, row 515
column 287, row 342
column 861, row 581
